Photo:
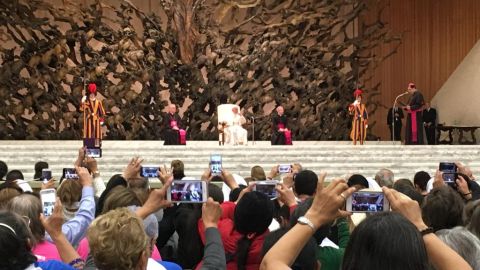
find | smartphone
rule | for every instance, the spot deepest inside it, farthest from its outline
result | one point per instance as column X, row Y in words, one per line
column 267, row 188
column 188, row 191
column 367, row 202
column 46, row 175
column 449, row 170
column 93, row 152
column 149, row 171
column 284, row 168
column 47, row 197
column 70, row 173
column 216, row 164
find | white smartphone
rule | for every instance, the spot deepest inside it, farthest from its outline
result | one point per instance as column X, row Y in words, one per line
column 48, row 197
column 367, row 202
column 188, row 191
column 46, row 175
column 216, row 164
column 285, row 168
column 267, row 188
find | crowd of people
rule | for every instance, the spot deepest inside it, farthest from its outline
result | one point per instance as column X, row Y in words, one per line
column 125, row 224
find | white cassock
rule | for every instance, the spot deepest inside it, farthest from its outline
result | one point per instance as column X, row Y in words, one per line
column 236, row 133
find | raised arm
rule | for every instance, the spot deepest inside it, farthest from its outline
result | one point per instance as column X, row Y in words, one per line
column 325, row 208
column 440, row 255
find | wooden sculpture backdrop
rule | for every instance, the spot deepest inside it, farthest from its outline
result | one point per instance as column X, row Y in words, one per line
column 305, row 55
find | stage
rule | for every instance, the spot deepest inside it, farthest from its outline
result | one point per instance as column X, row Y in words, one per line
column 337, row 158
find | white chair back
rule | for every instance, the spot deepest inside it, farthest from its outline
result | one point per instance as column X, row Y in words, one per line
column 225, row 114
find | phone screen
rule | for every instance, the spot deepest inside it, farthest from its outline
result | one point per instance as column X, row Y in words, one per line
column 150, row 171
column 285, row 168
column 267, row 188
column 367, row 202
column 46, row 174
column 449, row 170
column 216, row 164
column 187, row 192
column 93, row 152
column 48, row 201
column 70, row 173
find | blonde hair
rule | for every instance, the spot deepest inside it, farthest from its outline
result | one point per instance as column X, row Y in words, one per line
column 117, row 240
column 69, row 192
column 120, row 196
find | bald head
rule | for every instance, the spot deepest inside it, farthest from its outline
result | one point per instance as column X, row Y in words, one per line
column 280, row 110
column 172, row 108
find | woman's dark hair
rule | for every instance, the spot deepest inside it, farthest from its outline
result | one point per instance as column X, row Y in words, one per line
column 253, row 214
column 301, row 210
column 39, row 166
column 15, row 252
column 409, row 191
column 421, row 179
column 385, row 241
column 443, row 208
column 3, row 169
column 403, row 182
column 306, row 259
column 14, row 175
column 115, row 180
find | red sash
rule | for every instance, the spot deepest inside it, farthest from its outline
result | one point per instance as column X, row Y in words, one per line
column 288, row 137
column 173, row 123
column 280, row 126
column 413, row 117
column 183, row 136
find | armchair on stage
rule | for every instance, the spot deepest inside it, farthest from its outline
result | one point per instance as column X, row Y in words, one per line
column 230, row 121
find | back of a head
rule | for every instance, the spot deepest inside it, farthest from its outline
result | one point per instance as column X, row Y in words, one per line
column 464, row 243
column 39, row 166
column 305, row 183
column 421, row 179
column 301, row 210
column 117, row 240
column 3, row 169
column 403, row 182
column 8, row 191
column 257, row 173
column 30, row 206
column 384, row 241
column 120, row 196
column 15, row 249
column 359, row 181
column 306, row 259
column 14, row 175
column 141, row 187
column 178, row 169
column 471, row 217
column 409, row 190
column 69, row 192
column 384, row 178
column 215, row 192
column 253, row 214
column 442, row 208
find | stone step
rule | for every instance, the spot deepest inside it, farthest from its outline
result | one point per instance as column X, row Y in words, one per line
column 337, row 158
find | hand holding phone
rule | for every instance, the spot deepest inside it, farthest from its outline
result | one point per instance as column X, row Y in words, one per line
column 449, row 170
column 267, row 187
column 47, row 197
column 46, row 175
column 284, row 168
column 188, row 191
column 216, row 164
column 367, row 202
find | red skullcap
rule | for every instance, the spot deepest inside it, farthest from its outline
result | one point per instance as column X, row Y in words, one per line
column 357, row 92
column 92, row 88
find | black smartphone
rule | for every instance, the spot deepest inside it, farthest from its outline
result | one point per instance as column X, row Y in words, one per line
column 216, row 164
column 93, row 152
column 149, row 171
column 70, row 173
column 267, row 188
column 46, row 175
column 449, row 170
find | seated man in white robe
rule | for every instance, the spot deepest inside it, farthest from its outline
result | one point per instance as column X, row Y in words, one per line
column 236, row 134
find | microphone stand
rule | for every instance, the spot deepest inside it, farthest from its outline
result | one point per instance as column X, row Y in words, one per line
column 393, row 115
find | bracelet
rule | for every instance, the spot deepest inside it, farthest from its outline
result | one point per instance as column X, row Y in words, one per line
column 426, row 231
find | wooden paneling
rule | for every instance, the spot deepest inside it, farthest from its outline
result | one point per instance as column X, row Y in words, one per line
column 438, row 34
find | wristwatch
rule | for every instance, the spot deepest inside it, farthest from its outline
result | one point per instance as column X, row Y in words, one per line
column 303, row 220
